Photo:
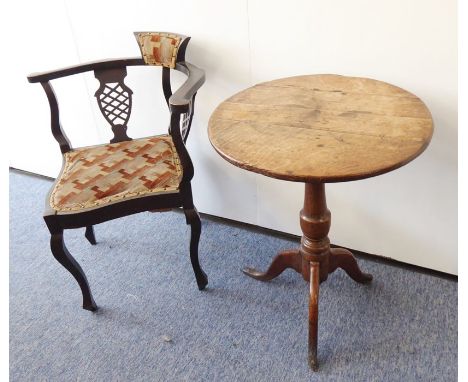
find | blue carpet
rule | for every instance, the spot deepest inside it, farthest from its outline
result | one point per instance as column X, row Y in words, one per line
column 155, row 325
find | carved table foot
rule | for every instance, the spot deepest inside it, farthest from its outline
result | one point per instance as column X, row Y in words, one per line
column 285, row 259
column 344, row 259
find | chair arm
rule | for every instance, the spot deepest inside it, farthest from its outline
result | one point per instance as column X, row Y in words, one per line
column 180, row 100
column 85, row 67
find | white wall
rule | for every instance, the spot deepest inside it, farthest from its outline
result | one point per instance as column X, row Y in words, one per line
column 409, row 215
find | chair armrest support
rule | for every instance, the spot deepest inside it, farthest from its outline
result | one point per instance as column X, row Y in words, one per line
column 57, row 131
column 85, row 67
column 179, row 101
column 184, row 157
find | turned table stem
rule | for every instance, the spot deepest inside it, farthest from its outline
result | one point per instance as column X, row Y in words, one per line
column 315, row 221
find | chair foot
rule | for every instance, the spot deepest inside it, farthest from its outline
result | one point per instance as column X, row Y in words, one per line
column 193, row 218
column 61, row 254
column 89, row 234
column 92, row 307
column 202, row 281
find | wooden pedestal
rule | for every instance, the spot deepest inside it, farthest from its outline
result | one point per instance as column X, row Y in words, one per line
column 314, row 260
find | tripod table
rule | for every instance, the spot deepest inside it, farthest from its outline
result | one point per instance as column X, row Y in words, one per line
column 319, row 129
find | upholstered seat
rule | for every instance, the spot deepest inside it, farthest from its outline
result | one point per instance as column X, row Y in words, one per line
column 99, row 175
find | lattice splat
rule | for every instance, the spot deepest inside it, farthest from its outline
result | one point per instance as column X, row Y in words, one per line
column 186, row 121
column 114, row 99
column 115, row 103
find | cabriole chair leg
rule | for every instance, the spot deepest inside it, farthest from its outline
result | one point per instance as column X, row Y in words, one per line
column 193, row 218
column 89, row 234
column 61, row 254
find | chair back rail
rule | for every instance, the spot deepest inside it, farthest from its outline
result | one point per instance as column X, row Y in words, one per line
column 114, row 99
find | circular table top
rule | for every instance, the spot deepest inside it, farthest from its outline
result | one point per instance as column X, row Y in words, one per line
column 321, row 128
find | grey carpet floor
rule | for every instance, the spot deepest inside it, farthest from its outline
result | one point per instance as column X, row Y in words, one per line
column 155, row 325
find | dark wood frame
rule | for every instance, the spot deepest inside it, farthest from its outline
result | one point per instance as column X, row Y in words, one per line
column 179, row 103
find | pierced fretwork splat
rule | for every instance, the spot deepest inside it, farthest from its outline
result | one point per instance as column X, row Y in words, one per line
column 114, row 99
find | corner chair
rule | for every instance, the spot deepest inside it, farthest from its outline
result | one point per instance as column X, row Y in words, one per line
column 126, row 176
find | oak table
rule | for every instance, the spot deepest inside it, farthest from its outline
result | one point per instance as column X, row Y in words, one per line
column 319, row 129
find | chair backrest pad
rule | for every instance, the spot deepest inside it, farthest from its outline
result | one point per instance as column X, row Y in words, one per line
column 159, row 48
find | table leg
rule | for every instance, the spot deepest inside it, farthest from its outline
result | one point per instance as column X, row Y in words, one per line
column 313, row 313
column 344, row 259
column 285, row 259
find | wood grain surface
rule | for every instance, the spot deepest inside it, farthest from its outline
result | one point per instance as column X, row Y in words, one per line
column 321, row 128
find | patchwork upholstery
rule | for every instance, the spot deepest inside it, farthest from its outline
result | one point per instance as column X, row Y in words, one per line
column 158, row 48
column 99, row 175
